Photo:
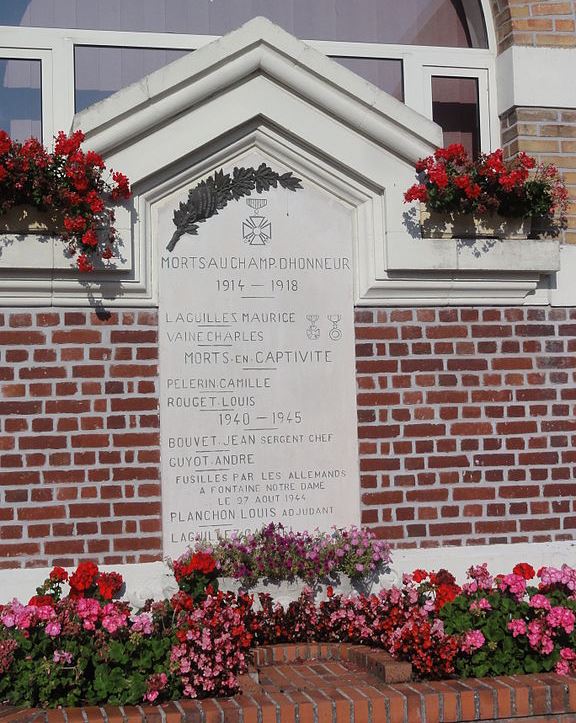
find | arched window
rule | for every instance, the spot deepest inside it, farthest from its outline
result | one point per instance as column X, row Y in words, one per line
column 449, row 23
column 415, row 50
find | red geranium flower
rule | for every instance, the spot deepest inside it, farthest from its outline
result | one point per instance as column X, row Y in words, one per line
column 66, row 146
column 41, row 600
column 122, row 190
column 417, row 192
column 524, row 570
column 419, row 575
column 5, row 143
column 68, row 183
column 84, row 264
column 90, row 238
column 202, row 562
column 58, row 574
column 74, row 223
column 83, row 578
column 452, row 182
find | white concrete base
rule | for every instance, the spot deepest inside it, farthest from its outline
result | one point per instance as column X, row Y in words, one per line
column 154, row 580
column 533, row 77
column 148, row 580
column 562, row 288
column 500, row 558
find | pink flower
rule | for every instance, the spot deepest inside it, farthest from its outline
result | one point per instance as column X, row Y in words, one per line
column 113, row 619
column 61, row 656
column 517, row 627
column 155, row 683
column 88, row 610
column 479, row 605
column 540, row 602
column 514, row 584
column 53, row 628
column 559, row 617
column 538, row 637
column 142, row 623
column 481, row 579
column 473, row 640
column 565, row 576
column 44, row 612
column 16, row 615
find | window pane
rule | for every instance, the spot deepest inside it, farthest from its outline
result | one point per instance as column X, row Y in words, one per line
column 455, row 107
column 384, row 73
column 454, row 23
column 99, row 71
column 21, row 98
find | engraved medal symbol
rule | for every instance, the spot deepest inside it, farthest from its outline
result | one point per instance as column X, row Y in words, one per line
column 256, row 229
column 313, row 332
column 335, row 333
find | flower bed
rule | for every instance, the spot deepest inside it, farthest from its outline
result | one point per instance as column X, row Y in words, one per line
column 489, row 626
column 86, row 647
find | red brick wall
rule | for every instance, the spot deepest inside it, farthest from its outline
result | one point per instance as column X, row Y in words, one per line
column 79, row 447
column 466, row 420
column 467, row 424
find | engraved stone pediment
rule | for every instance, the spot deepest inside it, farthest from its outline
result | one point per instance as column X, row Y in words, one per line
column 257, row 363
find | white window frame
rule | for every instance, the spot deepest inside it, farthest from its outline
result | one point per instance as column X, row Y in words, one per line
column 419, row 63
column 46, row 82
column 488, row 139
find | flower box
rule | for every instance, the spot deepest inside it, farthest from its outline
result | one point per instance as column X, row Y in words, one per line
column 283, row 591
column 69, row 180
column 446, row 225
column 45, row 251
column 463, row 197
column 26, row 220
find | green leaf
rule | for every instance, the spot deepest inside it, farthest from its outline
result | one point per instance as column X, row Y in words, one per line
column 531, row 664
column 214, row 193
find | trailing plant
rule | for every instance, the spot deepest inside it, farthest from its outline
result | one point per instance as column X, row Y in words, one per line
column 68, row 184
column 275, row 553
column 213, row 193
column 450, row 181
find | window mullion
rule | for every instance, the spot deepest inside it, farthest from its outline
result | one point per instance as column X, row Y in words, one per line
column 414, row 95
column 63, row 89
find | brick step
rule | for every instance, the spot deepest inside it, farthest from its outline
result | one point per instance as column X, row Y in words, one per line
column 372, row 660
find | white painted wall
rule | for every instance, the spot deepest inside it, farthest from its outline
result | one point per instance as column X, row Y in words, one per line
column 154, row 580
column 562, row 287
column 536, row 77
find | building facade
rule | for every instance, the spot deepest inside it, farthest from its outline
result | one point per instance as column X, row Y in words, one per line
column 465, row 359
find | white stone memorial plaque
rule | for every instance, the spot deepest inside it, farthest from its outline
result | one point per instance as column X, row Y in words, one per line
column 258, row 403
